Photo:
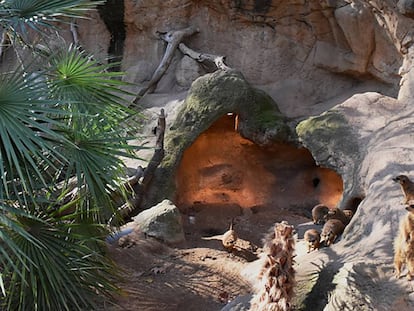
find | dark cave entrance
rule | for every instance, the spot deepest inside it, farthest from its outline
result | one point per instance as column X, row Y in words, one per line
column 223, row 175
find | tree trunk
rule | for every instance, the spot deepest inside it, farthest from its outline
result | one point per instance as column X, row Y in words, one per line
column 132, row 208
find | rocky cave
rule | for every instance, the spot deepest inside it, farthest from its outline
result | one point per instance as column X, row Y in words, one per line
column 221, row 168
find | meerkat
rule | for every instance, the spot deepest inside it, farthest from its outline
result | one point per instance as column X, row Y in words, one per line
column 348, row 213
column 312, row 238
column 281, row 233
column 331, row 230
column 404, row 244
column 407, row 187
column 319, row 213
column 337, row 213
column 229, row 238
column 276, row 280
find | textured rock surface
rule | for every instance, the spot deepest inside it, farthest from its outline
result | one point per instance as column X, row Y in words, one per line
column 163, row 222
column 342, row 70
column 370, row 145
column 292, row 49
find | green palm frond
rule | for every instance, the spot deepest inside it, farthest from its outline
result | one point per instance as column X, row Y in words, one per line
column 20, row 15
column 9, row 225
column 62, row 271
column 64, row 123
column 96, row 129
column 26, row 132
column 10, row 253
column 76, row 76
column 30, row 8
column 95, row 162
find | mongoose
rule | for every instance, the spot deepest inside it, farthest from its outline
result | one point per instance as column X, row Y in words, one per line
column 404, row 244
column 337, row 213
column 348, row 213
column 313, row 239
column 229, row 238
column 331, row 230
column 276, row 280
column 319, row 213
column 407, row 187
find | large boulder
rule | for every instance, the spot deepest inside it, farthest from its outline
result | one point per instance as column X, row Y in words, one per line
column 163, row 222
column 368, row 140
column 211, row 97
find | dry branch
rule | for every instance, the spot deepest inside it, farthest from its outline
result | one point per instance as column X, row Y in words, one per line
column 74, row 31
column 218, row 60
column 133, row 180
column 3, row 39
column 140, row 188
column 158, row 153
column 173, row 39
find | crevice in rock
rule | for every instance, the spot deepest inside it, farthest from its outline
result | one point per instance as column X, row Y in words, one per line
column 353, row 203
column 112, row 13
column 256, row 6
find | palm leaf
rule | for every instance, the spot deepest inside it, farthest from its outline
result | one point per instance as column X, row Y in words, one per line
column 18, row 16
column 26, row 135
column 76, row 76
column 66, row 270
column 96, row 127
column 96, row 163
column 64, row 122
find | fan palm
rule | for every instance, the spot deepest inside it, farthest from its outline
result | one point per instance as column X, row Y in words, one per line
column 62, row 125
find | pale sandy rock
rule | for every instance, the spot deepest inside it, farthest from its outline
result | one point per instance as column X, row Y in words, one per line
column 94, row 36
column 357, row 23
column 139, row 73
column 369, row 143
column 163, row 222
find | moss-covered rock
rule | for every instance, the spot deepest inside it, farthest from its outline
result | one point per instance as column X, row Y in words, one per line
column 330, row 138
column 211, row 97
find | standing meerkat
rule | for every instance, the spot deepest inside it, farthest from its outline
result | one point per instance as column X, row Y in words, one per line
column 229, row 238
column 312, row 238
column 404, row 244
column 319, row 213
column 407, row 187
column 276, row 280
column 331, row 230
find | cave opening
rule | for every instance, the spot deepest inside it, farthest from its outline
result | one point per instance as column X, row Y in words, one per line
column 112, row 13
column 222, row 176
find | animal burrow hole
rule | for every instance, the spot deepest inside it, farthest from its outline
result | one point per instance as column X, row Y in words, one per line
column 223, row 176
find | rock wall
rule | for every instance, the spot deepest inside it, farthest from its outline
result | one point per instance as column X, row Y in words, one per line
column 343, row 67
column 308, row 55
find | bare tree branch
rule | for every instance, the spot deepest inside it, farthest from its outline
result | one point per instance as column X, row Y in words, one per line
column 218, row 60
column 132, row 208
column 74, row 31
column 173, row 39
column 3, row 38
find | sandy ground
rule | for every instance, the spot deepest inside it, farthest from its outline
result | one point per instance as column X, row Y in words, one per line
column 198, row 274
